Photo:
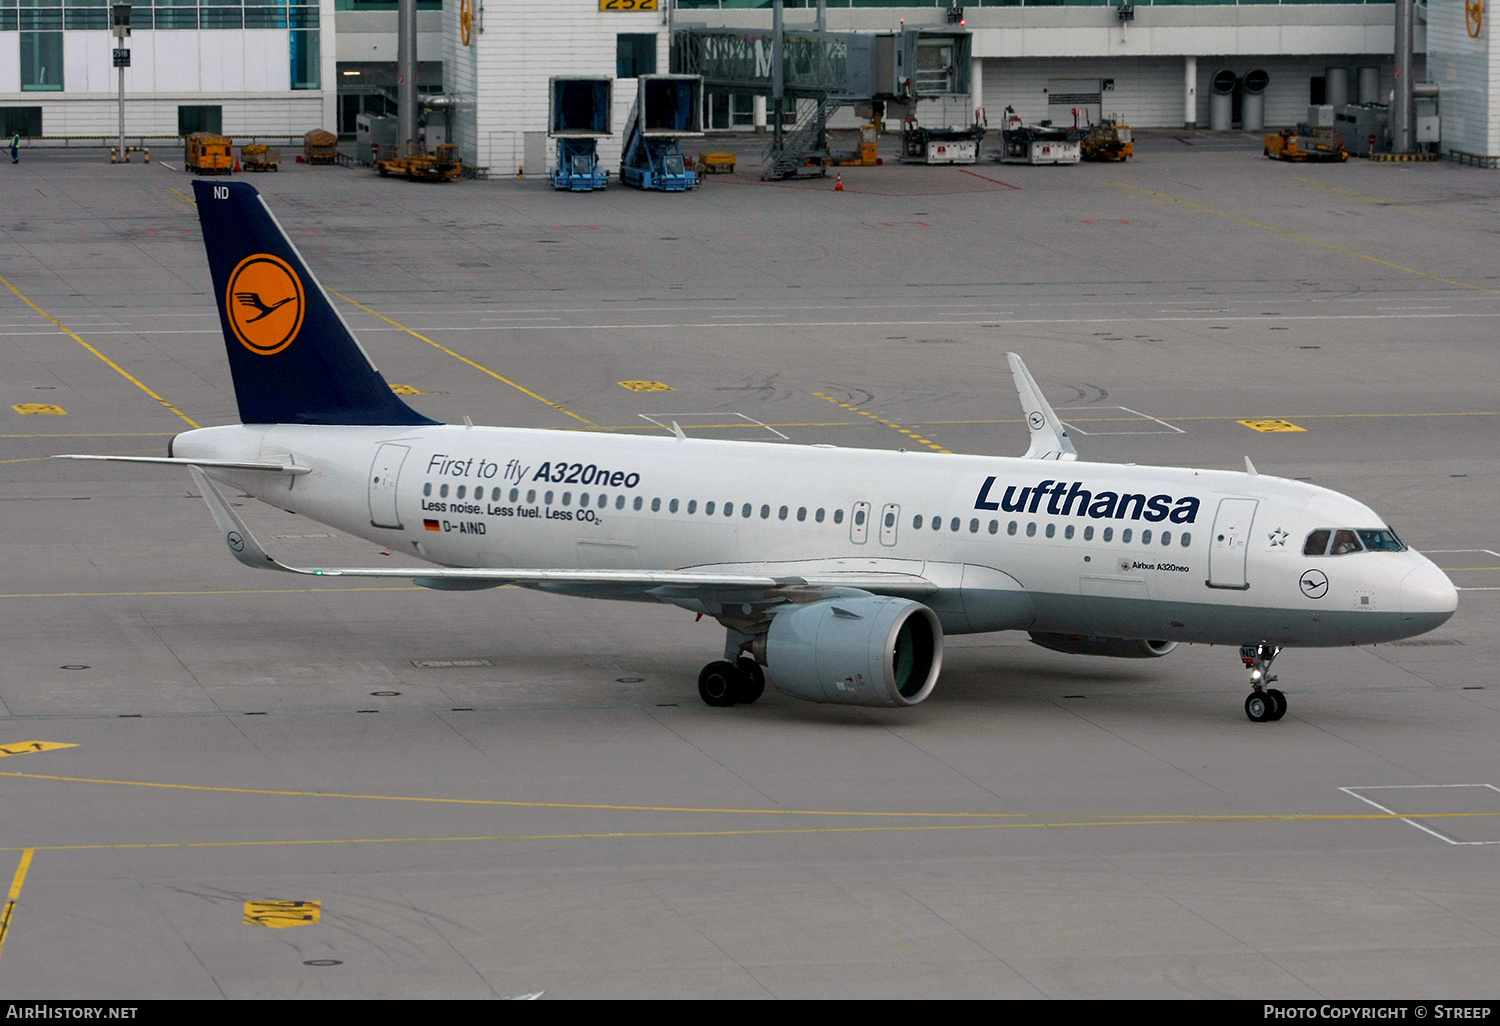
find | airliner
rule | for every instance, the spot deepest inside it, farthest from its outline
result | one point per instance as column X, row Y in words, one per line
column 835, row 572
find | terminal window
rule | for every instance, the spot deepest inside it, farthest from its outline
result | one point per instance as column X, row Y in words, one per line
column 41, row 62
column 23, row 121
column 635, row 55
column 201, row 118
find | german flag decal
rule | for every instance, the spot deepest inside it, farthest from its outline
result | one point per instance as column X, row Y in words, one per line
column 432, row 525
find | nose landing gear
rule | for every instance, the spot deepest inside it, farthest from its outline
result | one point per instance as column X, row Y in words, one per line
column 1263, row 703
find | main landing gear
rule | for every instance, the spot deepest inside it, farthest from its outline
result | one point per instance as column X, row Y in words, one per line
column 1263, row 703
column 723, row 683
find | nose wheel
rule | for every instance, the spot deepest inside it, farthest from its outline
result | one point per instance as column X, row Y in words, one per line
column 1263, row 703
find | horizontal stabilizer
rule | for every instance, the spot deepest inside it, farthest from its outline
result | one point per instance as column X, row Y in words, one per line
column 1049, row 441
column 177, row 461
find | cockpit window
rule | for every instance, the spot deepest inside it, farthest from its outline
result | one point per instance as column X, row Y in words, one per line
column 1317, row 543
column 1382, row 541
column 1344, row 542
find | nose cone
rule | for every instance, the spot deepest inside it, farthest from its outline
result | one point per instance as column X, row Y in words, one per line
column 1427, row 593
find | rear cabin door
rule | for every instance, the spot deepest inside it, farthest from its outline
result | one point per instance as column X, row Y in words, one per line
column 384, row 473
column 1230, row 543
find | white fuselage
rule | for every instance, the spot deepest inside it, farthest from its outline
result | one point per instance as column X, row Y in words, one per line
column 1104, row 549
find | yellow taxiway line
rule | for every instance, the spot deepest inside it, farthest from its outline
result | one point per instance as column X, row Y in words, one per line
column 15, row 895
column 114, row 366
column 463, row 359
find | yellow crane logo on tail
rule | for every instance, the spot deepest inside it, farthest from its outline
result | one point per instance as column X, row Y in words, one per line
column 1474, row 16
column 265, row 303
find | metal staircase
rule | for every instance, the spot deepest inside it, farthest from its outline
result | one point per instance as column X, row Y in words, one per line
column 808, row 138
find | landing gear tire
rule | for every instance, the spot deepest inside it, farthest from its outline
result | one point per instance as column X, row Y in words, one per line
column 1279, row 701
column 719, row 684
column 1260, row 707
column 752, row 682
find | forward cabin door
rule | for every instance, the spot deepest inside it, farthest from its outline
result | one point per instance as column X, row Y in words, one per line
column 383, row 475
column 1230, row 543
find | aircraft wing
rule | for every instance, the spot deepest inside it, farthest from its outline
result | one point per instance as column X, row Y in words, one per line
column 1049, row 440
column 690, row 588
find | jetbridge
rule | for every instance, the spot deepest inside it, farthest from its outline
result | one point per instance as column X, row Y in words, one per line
column 831, row 68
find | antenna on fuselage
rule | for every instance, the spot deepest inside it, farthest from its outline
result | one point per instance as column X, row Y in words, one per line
column 1250, row 467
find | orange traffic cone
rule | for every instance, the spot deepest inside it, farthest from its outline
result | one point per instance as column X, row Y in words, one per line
column 236, row 165
column 838, row 185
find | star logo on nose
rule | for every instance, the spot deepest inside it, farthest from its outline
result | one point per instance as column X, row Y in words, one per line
column 1278, row 537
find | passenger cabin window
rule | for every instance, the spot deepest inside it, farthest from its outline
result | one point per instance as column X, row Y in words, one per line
column 443, row 492
column 692, row 505
column 994, row 526
column 838, row 516
column 672, row 506
column 916, row 522
column 427, row 488
column 708, row 509
column 801, row 514
column 1317, row 543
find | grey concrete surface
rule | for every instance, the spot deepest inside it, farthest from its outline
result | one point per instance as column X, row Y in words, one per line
column 566, row 816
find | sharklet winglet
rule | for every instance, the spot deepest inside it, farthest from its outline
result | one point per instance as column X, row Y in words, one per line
column 1049, row 440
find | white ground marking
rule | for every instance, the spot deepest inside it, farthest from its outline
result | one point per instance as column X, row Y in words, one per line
column 1110, row 431
column 664, row 420
column 1352, row 791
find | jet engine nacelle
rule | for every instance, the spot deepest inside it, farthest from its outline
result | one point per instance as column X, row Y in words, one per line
column 1117, row 648
column 860, row 650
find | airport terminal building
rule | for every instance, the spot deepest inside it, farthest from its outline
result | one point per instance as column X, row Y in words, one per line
column 249, row 68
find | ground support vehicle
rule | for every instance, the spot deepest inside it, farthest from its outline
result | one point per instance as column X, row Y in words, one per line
column 209, row 154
